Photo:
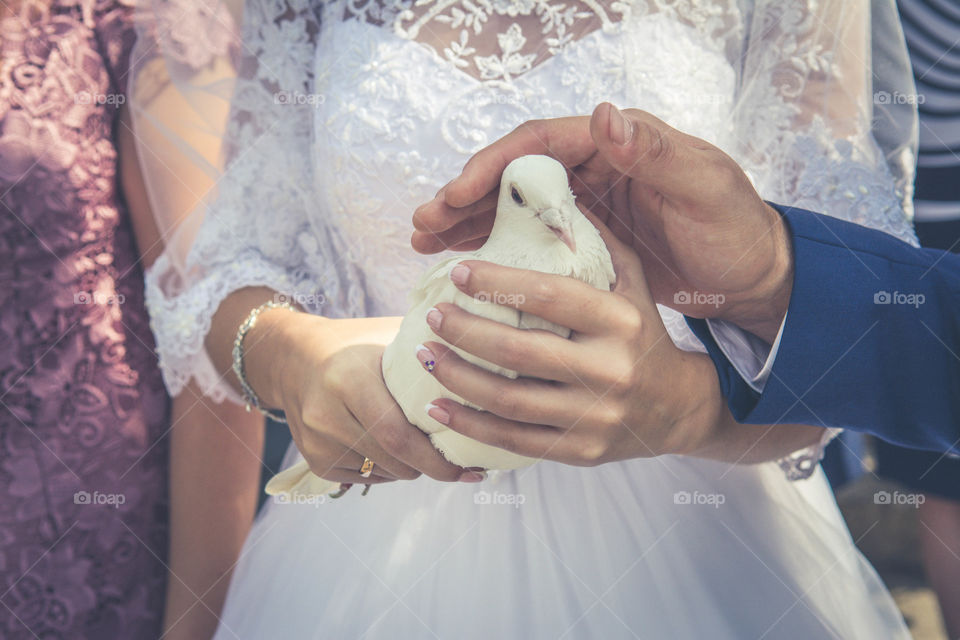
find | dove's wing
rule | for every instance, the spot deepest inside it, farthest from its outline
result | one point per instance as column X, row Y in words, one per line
column 431, row 279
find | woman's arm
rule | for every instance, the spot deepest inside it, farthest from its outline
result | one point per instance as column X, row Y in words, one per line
column 214, row 461
column 325, row 375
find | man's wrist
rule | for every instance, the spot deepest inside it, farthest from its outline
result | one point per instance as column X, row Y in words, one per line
column 764, row 308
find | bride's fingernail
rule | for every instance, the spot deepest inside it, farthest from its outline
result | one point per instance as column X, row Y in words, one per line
column 460, row 274
column 473, row 476
column 621, row 129
column 440, row 415
column 426, row 358
column 434, row 318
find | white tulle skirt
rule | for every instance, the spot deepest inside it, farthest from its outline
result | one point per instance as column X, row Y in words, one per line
column 667, row 548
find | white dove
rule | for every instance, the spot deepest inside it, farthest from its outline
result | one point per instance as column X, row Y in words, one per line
column 538, row 227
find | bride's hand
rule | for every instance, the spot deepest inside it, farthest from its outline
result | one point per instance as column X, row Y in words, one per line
column 325, row 373
column 617, row 389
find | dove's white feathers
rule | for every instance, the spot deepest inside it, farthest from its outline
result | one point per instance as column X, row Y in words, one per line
column 537, row 222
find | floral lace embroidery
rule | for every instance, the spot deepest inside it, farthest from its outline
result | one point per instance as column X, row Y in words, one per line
column 526, row 32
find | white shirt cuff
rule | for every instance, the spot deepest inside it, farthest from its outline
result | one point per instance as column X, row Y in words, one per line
column 750, row 356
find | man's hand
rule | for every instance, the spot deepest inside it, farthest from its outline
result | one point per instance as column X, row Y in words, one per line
column 710, row 246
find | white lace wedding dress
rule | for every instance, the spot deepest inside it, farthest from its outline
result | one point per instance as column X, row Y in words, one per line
column 346, row 116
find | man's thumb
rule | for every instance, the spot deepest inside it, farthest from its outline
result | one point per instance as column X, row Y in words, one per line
column 650, row 151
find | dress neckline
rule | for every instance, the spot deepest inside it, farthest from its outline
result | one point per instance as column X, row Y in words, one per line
column 438, row 60
column 507, row 24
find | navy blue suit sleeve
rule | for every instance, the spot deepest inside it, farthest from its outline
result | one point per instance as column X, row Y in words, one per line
column 871, row 342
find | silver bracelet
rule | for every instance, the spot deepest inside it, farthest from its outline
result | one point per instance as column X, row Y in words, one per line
column 249, row 395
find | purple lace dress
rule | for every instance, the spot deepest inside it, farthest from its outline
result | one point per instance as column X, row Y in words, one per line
column 83, row 411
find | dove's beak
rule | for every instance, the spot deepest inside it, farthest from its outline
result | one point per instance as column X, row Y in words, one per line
column 561, row 225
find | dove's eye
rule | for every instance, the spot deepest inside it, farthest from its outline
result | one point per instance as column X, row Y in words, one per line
column 516, row 196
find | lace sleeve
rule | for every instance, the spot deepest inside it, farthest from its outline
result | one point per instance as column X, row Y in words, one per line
column 224, row 129
column 817, row 124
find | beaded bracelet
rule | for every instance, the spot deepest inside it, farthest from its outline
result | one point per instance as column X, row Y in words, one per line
column 249, row 395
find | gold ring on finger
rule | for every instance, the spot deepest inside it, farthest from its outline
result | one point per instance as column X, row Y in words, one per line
column 367, row 468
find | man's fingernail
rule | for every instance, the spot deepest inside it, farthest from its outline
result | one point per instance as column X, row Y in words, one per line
column 442, row 192
column 460, row 274
column 440, row 415
column 473, row 476
column 426, row 358
column 621, row 129
column 434, row 318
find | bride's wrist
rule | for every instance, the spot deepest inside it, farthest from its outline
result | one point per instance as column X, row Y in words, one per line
column 272, row 355
column 698, row 426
